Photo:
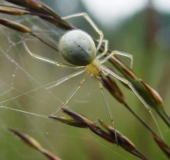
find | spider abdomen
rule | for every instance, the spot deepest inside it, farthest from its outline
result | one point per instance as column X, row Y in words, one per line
column 77, row 48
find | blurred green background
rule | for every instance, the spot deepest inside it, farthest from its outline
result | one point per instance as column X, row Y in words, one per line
column 144, row 34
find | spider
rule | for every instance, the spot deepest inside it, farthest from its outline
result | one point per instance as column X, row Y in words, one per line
column 78, row 48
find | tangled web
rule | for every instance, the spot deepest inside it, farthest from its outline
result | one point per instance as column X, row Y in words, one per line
column 26, row 103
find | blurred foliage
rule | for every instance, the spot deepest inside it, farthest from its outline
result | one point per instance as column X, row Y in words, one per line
column 145, row 35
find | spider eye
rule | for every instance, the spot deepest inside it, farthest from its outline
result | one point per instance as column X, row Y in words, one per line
column 77, row 47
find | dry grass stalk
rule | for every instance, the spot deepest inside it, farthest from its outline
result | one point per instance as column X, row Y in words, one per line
column 83, row 122
column 112, row 87
column 33, row 143
column 149, row 95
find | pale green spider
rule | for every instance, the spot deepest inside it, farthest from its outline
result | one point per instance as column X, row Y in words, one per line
column 78, row 48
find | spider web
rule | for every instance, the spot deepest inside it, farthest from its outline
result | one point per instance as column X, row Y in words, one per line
column 26, row 103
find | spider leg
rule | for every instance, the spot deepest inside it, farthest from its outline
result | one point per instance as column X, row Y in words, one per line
column 58, row 82
column 125, row 55
column 107, row 57
column 119, row 53
column 128, row 83
column 72, row 94
column 134, row 91
column 89, row 20
column 108, row 108
column 48, row 60
column 105, row 49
